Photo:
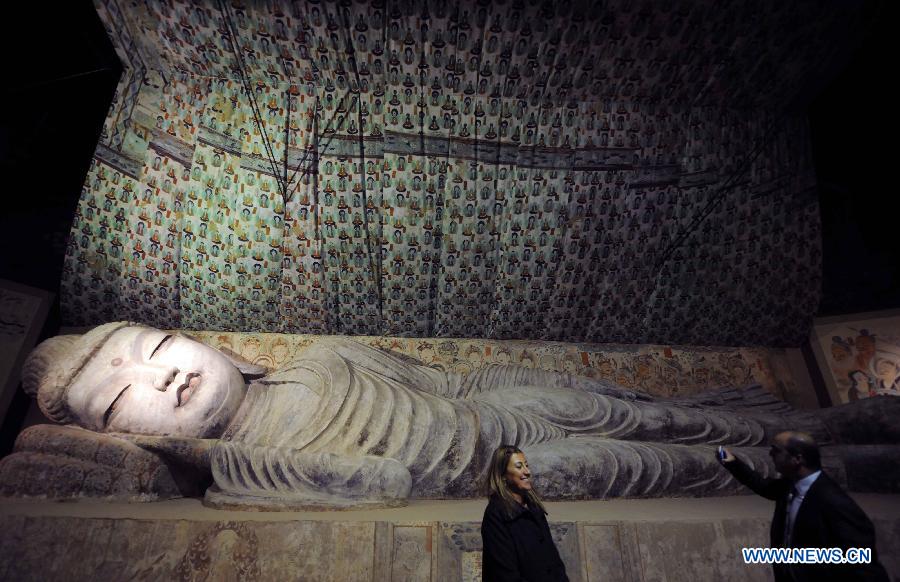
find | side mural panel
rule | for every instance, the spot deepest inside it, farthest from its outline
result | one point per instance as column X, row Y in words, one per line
column 861, row 355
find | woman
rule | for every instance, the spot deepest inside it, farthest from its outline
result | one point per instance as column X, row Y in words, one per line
column 514, row 531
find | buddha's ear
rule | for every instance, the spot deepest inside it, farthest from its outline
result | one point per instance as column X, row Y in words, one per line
column 248, row 370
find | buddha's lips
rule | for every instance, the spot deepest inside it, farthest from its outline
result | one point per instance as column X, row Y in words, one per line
column 187, row 388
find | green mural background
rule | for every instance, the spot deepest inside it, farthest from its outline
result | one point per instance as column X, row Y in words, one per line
column 512, row 170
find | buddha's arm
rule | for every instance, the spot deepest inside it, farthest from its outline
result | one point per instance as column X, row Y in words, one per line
column 600, row 468
column 393, row 366
column 410, row 372
column 189, row 452
column 66, row 461
column 282, row 477
column 579, row 412
column 506, row 376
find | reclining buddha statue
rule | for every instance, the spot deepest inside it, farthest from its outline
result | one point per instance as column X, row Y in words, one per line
column 346, row 425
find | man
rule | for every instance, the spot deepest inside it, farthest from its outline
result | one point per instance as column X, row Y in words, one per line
column 811, row 511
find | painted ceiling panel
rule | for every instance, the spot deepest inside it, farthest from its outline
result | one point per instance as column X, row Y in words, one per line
column 615, row 172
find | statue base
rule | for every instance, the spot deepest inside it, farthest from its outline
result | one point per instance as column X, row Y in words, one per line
column 618, row 540
column 217, row 499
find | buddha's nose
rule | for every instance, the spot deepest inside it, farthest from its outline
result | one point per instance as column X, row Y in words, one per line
column 163, row 377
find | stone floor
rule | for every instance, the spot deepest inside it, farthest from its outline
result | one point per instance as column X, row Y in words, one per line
column 620, row 540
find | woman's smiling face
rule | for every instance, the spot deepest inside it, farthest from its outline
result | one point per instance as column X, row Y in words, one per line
column 145, row 381
column 518, row 475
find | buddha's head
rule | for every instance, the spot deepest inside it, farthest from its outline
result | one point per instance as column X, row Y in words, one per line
column 124, row 377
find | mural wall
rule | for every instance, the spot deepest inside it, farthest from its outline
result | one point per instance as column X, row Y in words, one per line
column 514, row 170
column 860, row 356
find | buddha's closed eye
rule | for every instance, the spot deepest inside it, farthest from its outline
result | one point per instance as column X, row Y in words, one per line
column 164, row 340
column 112, row 407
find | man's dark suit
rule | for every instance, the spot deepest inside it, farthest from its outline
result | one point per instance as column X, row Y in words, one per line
column 827, row 518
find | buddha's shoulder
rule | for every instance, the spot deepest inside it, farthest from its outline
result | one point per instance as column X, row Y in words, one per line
column 321, row 362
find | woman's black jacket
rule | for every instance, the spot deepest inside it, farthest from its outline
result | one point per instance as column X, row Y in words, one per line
column 518, row 547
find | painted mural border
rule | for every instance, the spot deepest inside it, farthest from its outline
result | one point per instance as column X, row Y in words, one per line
column 816, row 339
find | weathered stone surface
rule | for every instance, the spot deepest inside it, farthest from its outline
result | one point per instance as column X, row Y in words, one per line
column 411, row 559
column 459, row 542
column 746, row 533
column 604, row 561
column 383, row 550
column 864, row 468
column 867, row 421
column 887, row 533
column 317, row 551
column 684, row 551
column 565, row 536
column 73, row 548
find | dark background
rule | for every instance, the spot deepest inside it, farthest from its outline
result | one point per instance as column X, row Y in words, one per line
column 58, row 90
column 854, row 149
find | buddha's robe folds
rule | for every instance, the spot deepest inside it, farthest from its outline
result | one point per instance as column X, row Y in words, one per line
column 353, row 422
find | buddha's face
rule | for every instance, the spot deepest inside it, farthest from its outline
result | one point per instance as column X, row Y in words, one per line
column 145, row 381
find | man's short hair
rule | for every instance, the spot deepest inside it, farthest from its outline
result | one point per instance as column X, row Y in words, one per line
column 802, row 444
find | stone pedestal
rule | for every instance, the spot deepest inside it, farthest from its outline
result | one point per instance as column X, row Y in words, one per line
column 663, row 540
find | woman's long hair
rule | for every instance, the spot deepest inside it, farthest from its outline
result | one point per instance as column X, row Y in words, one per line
column 496, row 484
